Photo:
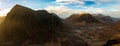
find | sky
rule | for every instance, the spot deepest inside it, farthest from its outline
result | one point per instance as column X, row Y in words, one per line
column 64, row 8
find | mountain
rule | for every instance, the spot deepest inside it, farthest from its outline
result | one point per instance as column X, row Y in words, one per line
column 82, row 19
column 115, row 39
column 104, row 19
column 116, row 25
column 116, row 19
column 88, row 18
column 95, row 29
column 26, row 27
column 1, row 19
column 24, row 24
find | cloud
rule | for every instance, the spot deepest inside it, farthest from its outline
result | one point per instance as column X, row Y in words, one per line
column 69, row 1
column 117, row 7
column 65, row 12
column 83, row 2
column 62, row 11
column 3, row 12
column 114, row 13
column 94, row 10
column 0, row 3
column 107, row 0
column 106, row 7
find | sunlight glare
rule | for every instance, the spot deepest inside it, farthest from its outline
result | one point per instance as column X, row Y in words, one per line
column 3, row 12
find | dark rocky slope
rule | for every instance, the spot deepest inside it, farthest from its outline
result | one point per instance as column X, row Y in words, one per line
column 23, row 24
column 103, row 18
column 85, row 17
column 95, row 30
column 115, row 39
column 26, row 27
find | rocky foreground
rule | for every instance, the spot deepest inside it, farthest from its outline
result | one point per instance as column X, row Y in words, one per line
column 26, row 27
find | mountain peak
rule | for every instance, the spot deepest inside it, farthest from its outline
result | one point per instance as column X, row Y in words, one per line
column 18, row 12
column 17, row 5
column 81, row 18
column 38, row 26
column 84, row 13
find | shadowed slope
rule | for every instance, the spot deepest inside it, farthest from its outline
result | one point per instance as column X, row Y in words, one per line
column 24, row 27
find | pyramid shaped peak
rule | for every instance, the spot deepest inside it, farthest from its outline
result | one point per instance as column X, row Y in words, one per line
column 20, row 7
column 18, row 12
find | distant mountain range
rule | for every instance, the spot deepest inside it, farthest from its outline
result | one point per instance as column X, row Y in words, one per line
column 26, row 27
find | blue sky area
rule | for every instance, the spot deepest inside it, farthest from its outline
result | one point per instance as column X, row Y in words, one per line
column 93, row 6
column 44, row 3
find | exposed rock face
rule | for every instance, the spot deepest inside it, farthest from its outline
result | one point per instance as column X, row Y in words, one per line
column 26, row 27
